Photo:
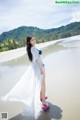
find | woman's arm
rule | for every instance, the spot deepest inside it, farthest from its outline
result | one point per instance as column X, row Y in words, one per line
column 35, row 58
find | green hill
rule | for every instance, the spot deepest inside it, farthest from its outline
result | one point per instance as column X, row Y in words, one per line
column 18, row 35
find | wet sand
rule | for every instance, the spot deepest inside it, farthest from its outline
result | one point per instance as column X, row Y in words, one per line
column 62, row 61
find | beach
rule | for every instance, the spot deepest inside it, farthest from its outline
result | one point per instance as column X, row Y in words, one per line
column 16, row 53
column 62, row 61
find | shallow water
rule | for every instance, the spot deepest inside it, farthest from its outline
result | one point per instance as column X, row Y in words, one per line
column 62, row 63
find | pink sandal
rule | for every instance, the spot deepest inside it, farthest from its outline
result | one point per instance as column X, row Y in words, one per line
column 45, row 98
column 45, row 107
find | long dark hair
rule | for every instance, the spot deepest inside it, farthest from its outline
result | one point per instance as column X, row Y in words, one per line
column 28, row 47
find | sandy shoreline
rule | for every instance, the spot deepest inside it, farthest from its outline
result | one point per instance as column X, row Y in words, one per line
column 16, row 53
column 13, row 54
column 62, row 81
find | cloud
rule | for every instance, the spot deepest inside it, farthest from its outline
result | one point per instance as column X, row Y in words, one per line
column 76, row 14
column 43, row 14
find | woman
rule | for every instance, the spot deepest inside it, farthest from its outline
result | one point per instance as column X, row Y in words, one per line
column 34, row 57
column 31, row 87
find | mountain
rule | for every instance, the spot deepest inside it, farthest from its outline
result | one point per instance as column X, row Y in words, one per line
column 22, row 32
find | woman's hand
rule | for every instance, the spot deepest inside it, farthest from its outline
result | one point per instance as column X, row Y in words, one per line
column 41, row 71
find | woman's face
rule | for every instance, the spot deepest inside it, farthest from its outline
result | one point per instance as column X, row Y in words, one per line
column 33, row 41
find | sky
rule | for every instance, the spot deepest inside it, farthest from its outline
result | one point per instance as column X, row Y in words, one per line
column 44, row 14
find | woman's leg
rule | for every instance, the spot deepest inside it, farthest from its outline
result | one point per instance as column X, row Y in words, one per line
column 43, row 90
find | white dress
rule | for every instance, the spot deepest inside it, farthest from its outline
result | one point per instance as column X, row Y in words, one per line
column 27, row 89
